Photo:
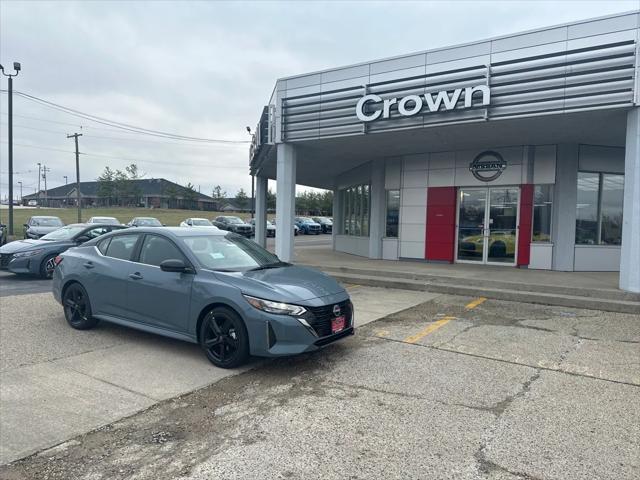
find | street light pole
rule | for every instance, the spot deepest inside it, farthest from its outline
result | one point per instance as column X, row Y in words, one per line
column 65, row 179
column 75, row 137
column 39, row 176
column 16, row 67
column 20, row 191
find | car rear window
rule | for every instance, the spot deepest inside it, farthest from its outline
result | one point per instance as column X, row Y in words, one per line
column 102, row 245
column 122, row 246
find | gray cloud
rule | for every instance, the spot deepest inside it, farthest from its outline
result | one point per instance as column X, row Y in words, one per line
column 206, row 68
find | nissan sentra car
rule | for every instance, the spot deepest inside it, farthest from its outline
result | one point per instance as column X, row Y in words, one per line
column 39, row 226
column 36, row 257
column 205, row 286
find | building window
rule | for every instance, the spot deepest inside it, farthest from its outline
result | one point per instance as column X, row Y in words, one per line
column 355, row 210
column 393, row 213
column 542, row 207
column 599, row 208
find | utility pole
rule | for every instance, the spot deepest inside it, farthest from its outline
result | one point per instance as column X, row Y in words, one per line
column 39, row 176
column 65, row 179
column 75, row 137
column 44, row 177
column 16, row 67
column 20, row 191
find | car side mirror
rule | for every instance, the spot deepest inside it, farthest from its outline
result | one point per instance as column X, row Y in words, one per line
column 82, row 239
column 25, row 225
column 175, row 265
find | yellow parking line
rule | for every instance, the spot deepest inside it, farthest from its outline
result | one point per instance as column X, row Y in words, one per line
column 475, row 303
column 432, row 327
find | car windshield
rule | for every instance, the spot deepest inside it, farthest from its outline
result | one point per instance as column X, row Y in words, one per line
column 148, row 222
column 47, row 222
column 64, row 233
column 234, row 220
column 201, row 222
column 306, row 220
column 230, row 253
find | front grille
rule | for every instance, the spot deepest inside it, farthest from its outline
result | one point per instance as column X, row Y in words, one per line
column 5, row 258
column 320, row 317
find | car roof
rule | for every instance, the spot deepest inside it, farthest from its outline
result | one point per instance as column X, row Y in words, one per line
column 145, row 218
column 181, row 231
column 44, row 216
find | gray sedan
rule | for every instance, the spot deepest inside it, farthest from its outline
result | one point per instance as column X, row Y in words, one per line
column 205, row 286
column 36, row 257
column 39, row 226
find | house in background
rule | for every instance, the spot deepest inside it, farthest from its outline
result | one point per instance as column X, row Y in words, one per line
column 146, row 192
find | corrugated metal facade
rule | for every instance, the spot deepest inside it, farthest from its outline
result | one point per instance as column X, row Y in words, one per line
column 582, row 66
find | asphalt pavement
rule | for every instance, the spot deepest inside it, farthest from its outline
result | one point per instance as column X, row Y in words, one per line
column 57, row 382
column 12, row 284
column 453, row 388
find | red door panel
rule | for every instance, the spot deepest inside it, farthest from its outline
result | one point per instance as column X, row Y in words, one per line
column 526, row 224
column 441, row 224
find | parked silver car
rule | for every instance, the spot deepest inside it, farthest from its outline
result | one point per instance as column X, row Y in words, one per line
column 104, row 220
column 39, row 226
column 205, row 286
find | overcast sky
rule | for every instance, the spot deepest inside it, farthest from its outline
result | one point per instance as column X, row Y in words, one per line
column 204, row 69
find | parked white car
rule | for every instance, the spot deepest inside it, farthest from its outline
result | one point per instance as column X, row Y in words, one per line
column 104, row 220
column 197, row 222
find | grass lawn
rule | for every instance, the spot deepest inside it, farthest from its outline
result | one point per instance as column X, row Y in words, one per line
column 169, row 217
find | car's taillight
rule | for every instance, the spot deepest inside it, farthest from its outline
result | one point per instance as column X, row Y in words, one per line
column 58, row 260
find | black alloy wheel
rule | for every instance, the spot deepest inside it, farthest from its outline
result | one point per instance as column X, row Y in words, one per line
column 77, row 308
column 224, row 338
column 47, row 266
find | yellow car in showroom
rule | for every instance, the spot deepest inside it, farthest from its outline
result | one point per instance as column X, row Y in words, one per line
column 501, row 245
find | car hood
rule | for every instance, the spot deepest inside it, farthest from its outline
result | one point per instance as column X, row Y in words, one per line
column 42, row 230
column 22, row 245
column 285, row 284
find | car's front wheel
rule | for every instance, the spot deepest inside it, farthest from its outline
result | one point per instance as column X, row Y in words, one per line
column 77, row 308
column 224, row 338
column 47, row 266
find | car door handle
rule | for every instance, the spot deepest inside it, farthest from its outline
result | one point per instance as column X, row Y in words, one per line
column 88, row 265
column 135, row 276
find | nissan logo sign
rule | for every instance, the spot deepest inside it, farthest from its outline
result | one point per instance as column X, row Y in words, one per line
column 487, row 166
column 336, row 310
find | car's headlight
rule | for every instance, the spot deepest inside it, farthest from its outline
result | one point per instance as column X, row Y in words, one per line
column 29, row 253
column 278, row 308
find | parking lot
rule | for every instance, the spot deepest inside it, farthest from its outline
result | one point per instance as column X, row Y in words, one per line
column 452, row 387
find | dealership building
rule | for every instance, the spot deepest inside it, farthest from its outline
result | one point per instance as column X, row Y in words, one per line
column 521, row 151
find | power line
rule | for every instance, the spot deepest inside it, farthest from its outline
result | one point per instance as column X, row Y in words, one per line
column 122, row 158
column 102, row 137
column 120, row 125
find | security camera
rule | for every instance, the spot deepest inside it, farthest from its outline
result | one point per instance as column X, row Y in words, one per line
column 248, row 129
column 16, row 66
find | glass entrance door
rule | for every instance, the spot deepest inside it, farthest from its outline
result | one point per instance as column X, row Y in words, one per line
column 487, row 225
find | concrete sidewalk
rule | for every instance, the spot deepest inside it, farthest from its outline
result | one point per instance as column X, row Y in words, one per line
column 57, row 382
column 324, row 256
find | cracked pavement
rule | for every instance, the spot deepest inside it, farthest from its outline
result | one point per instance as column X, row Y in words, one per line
column 504, row 391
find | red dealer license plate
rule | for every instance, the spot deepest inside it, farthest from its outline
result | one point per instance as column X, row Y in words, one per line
column 338, row 324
